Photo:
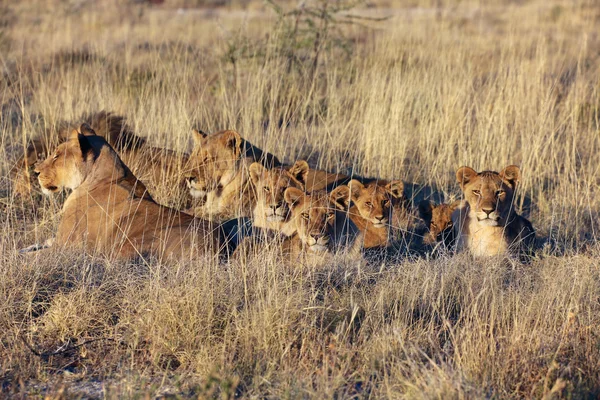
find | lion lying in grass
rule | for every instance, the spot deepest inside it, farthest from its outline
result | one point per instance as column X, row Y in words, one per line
column 221, row 177
column 158, row 168
column 487, row 224
column 110, row 211
column 370, row 208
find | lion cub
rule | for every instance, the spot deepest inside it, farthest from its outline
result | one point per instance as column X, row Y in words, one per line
column 487, row 224
column 370, row 208
column 438, row 222
column 110, row 210
column 271, row 211
column 219, row 174
column 316, row 223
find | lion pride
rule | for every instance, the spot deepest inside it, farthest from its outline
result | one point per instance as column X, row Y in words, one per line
column 110, row 210
column 220, row 174
column 487, row 224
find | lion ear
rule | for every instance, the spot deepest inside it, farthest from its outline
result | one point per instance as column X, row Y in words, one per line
column 293, row 195
column 425, row 210
column 341, row 197
column 299, row 171
column 395, row 188
column 198, row 135
column 454, row 205
column 355, row 189
column 511, row 174
column 233, row 141
column 74, row 134
column 464, row 175
column 256, row 170
column 86, row 130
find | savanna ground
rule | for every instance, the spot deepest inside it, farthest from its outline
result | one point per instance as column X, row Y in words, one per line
column 437, row 85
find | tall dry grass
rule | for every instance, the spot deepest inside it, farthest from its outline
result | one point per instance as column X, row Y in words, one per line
column 421, row 94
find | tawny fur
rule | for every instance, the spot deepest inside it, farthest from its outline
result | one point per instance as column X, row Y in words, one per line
column 154, row 166
column 486, row 224
column 110, row 210
column 370, row 207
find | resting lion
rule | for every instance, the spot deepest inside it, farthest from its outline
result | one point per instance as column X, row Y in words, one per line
column 438, row 222
column 271, row 211
column 318, row 224
column 370, row 208
column 487, row 224
column 110, row 210
column 220, row 174
column 158, row 168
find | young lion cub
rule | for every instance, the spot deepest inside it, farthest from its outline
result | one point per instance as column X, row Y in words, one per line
column 317, row 225
column 271, row 211
column 487, row 224
column 370, row 208
column 110, row 210
column 438, row 222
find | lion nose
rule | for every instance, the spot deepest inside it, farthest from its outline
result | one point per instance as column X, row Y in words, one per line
column 488, row 210
column 317, row 235
column 379, row 218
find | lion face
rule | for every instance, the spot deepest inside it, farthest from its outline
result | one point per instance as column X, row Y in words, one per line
column 313, row 216
column 438, row 220
column 374, row 202
column 64, row 167
column 489, row 194
column 270, row 186
column 199, row 184
column 213, row 161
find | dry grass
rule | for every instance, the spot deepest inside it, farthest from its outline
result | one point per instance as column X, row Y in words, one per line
column 421, row 94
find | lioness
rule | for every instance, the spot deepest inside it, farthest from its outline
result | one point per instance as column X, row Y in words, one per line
column 438, row 222
column 487, row 224
column 370, row 208
column 158, row 168
column 110, row 210
column 220, row 175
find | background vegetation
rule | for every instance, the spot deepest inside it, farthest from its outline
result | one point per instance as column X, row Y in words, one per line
column 410, row 90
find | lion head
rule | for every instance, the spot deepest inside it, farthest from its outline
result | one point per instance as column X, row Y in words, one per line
column 214, row 161
column 270, row 185
column 489, row 194
column 68, row 165
column 438, row 220
column 313, row 216
column 373, row 200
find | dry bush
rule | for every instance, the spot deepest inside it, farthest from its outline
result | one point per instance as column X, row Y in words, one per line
column 437, row 86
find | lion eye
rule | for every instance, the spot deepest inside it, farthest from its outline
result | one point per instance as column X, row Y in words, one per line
column 305, row 216
column 369, row 204
column 266, row 189
column 55, row 156
column 477, row 192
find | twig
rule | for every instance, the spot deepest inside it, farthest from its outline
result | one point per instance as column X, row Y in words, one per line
column 60, row 350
